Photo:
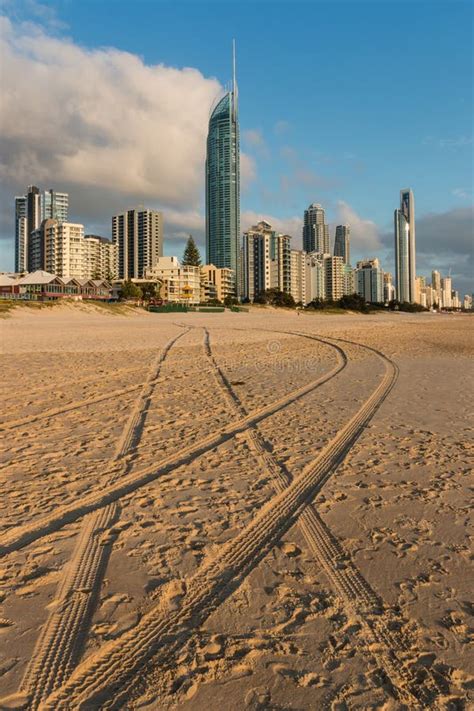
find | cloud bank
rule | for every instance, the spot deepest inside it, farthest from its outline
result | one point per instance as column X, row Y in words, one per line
column 103, row 125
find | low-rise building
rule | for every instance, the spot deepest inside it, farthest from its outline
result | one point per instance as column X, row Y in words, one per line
column 41, row 285
column 181, row 283
column 217, row 282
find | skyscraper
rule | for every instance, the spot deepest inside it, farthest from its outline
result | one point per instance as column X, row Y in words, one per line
column 21, row 243
column 405, row 267
column 315, row 230
column 223, row 184
column 342, row 243
column 138, row 235
column 55, row 205
column 27, row 219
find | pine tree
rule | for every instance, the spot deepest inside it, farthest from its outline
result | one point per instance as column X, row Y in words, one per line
column 191, row 256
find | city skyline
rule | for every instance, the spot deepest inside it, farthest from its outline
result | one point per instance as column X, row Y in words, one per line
column 278, row 176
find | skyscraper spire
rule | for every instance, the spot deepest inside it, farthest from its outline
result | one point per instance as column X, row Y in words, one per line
column 234, row 83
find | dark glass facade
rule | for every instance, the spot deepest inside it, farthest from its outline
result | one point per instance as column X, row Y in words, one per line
column 223, row 187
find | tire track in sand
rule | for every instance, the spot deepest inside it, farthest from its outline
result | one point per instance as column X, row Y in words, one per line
column 103, row 680
column 20, row 536
column 62, row 638
column 385, row 643
column 149, row 382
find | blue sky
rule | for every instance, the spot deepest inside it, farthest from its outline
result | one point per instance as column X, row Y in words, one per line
column 342, row 103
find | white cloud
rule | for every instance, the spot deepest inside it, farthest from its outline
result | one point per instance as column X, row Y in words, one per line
column 248, row 170
column 286, row 225
column 463, row 193
column 253, row 137
column 281, row 127
column 104, row 121
column 364, row 233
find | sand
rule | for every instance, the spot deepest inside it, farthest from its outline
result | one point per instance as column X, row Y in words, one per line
column 256, row 511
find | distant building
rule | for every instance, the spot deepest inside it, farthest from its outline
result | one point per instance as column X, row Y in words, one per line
column 315, row 230
column 298, row 276
column 138, row 235
column 266, row 260
column 446, row 293
column 217, row 282
column 370, row 282
column 334, row 277
column 27, row 219
column 315, row 277
column 467, row 302
column 348, row 280
column 223, row 185
column 55, row 206
column 388, row 287
column 181, row 283
column 342, row 246
column 404, row 224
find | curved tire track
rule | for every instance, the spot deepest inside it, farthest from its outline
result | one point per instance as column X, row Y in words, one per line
column 347, row 581
column 99, row 680
column 62, row 638
column 17, row 538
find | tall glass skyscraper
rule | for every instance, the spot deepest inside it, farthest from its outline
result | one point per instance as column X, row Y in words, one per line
column 55, row 206
column 405, row 268
column 315, row 230
column 223, row 185
column 342, row 246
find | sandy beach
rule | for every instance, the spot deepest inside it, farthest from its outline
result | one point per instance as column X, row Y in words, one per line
column 244, row 510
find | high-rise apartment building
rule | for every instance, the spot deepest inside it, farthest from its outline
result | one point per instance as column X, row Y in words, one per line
column 315, row 230
column 436, row 280
column 342, row 246
column 57, row 247
column 266, row 260
column 405, row 267
column 99, row 258
column 27, row 219
column 388, row 287
column 21, row 233
column 223, row 185
column 446, row 292
column 298, row 276
column 334, row 277
column 370, row 281
column 55, row 206
column 315, row 277
column 138, row 235
column 60, row 248
column 348, row 280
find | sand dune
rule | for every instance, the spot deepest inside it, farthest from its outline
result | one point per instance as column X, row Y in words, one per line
column 258, row 510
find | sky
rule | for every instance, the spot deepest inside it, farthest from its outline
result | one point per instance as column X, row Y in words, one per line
column 341, row 102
